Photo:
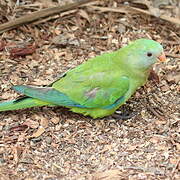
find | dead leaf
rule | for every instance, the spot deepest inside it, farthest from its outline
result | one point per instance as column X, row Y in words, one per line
column 132, row 148
column 165, row 88
column 65, row 39
column 160, row 147
column 153, row 76
column 29, row 178
column 157, row 3
column 47, row 3
column 173, row 77
column 2, row 45
column 17, row 151
column 154, row 11
column 154, row 139
column 160, row 122
column 22, row 127
column 174, row 160
column 107, row 175
column 178, row 146
column 44, row 122
column 22, row 51
column 38, row 133
column 32, row 124
column 22, row 137
column 84, row 14
column 55, row 120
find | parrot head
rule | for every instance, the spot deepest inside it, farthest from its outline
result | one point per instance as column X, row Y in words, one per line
column 143, row 53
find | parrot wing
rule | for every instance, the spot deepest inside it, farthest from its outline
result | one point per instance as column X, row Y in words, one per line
column 46, row 94
column 106, row 95
column 98, row 83
column 93, row 98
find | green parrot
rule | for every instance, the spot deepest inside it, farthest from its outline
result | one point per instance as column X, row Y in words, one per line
column 97, row 87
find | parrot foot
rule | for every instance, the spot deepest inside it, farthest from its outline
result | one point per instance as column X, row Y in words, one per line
column 123, row 116
column 124, row 113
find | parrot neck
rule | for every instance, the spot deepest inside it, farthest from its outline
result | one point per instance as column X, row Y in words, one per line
column 139, row 73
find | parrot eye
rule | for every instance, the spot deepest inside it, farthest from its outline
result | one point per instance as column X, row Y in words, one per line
column 149, row 54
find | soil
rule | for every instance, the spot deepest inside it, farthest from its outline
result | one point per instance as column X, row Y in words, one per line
column 53, row 143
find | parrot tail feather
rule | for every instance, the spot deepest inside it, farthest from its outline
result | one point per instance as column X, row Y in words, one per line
column 22, row 103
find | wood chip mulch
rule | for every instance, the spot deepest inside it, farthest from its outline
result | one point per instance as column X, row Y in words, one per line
column 54, row 143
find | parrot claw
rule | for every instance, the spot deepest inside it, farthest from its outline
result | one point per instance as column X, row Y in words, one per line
column 123, row 116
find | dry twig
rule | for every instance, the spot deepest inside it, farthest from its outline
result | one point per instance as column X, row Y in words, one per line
column 40, row 14
column 152, row 110
column 172, row 55
column 128, row 9
column 175, row 167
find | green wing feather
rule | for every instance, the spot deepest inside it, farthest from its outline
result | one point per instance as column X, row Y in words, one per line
column 98, row 97
column 101, row 88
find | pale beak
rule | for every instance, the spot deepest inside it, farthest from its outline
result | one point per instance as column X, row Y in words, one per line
column 162, row 57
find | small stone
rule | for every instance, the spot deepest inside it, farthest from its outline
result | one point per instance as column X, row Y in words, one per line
column 165, row 88
column 49, row 140
column 58, row 127
column 38, row 139
column 121, row 28
column 2, row 160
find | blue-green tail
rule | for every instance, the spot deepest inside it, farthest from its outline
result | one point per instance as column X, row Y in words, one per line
column 23, row 103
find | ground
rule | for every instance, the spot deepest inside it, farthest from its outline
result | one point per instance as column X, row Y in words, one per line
column 54, row 143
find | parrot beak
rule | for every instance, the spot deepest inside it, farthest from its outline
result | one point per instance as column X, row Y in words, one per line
column 162, row 57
